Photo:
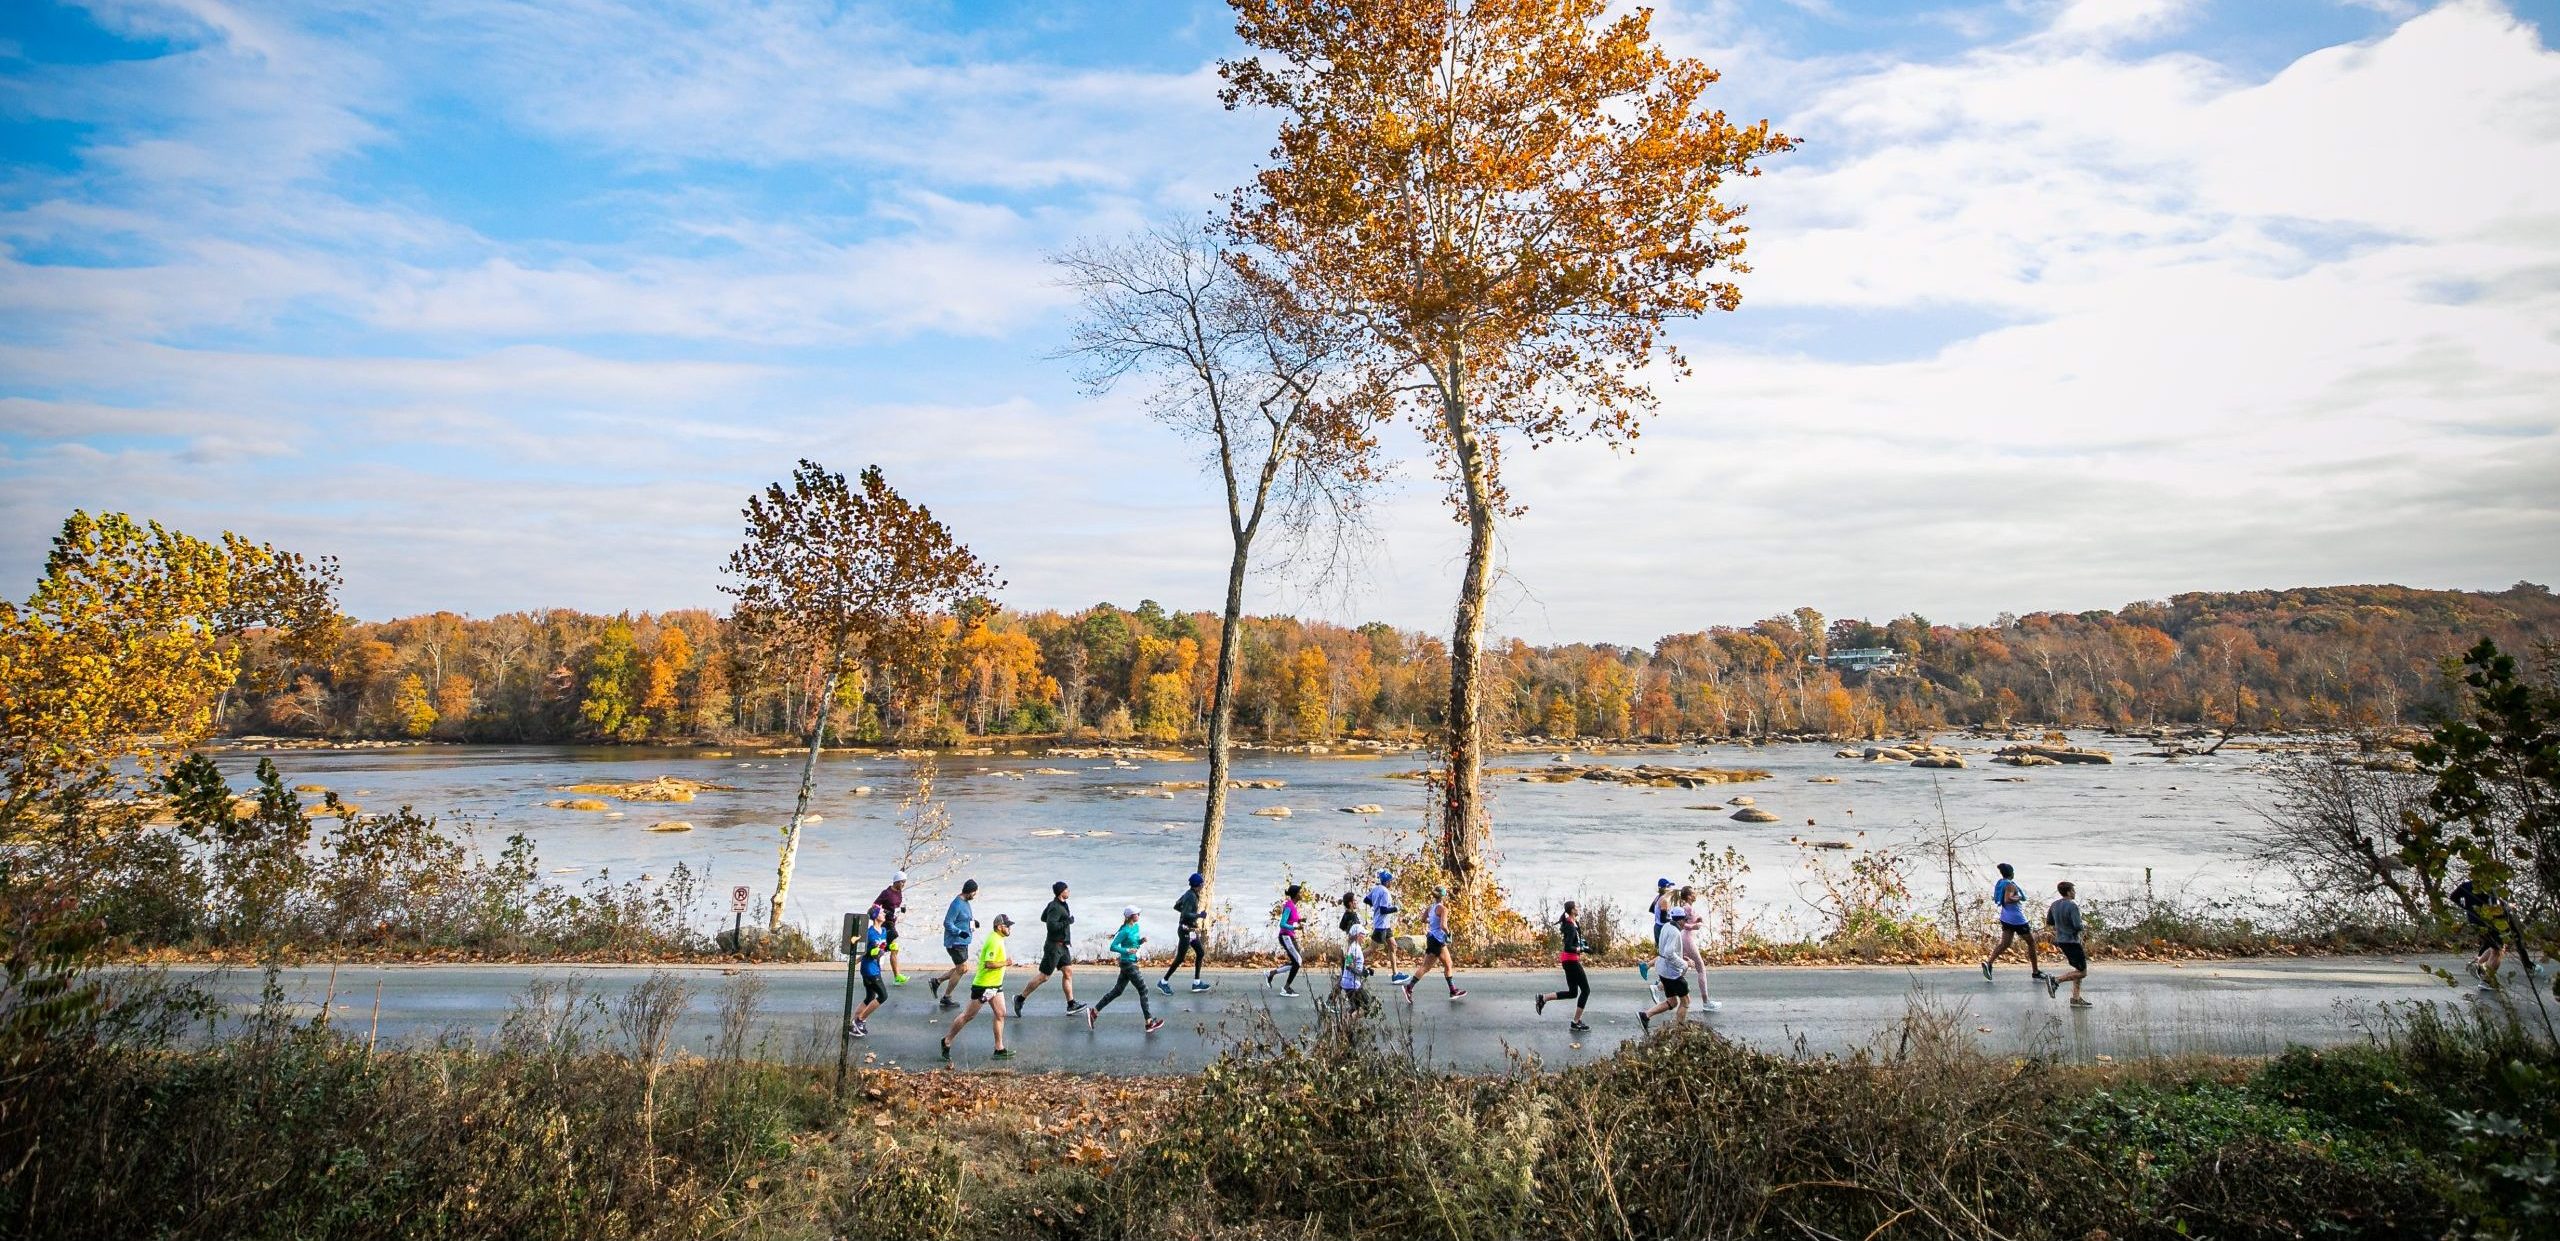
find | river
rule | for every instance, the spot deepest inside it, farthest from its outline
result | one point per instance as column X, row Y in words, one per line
column 1109, row 830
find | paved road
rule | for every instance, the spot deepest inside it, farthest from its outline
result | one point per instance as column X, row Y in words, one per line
column 2230, row 1007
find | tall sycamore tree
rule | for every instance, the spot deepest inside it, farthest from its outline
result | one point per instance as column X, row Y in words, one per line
column 832, row 572
column 1508, row 199
column 1232, row 361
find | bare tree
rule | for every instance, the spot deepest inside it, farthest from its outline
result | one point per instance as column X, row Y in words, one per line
column 1234, row 361
column 833, row 572
column 2332, row 827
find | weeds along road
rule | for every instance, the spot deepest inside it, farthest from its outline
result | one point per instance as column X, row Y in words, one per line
column 2247, row 1007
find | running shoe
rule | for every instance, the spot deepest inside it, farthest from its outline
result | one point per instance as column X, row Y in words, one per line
column 900, row 978
column 1201, row 984
column 1579, row 1028
column 1074, row 1007
column 1165, row 985
column 948, row 1002
column 1154, row 1024
column 1002, row 1053
column 1017, row 1006
column 2037, row 975
column 1986, row 971
column 1401, row 976
column 1710, row 1006
column 1542, row 1003
column 862, row 1029
column 1643, row 1016
column 1269, row 974
column 946, row 1050
column 2052, row 986
column 1290, row 992
column 1457, row 993
column 2077, row 1002
column 1644, row 970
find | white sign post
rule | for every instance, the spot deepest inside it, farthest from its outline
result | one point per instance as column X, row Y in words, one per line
column 738, row 929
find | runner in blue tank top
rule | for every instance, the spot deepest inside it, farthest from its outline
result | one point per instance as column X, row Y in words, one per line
column 1435, row 946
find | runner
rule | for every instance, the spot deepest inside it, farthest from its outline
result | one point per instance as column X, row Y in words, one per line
column 1350, row 915
column 1671, row 969
column 959, row 921
column 1577, row 985
column 1124, row 945
column 2489, row 916
column 986, row 988
column 1661, row 906
column 875, row 941
column 1382, row 922
column 1435, row 944
column 1354, row 998
column 1290, row 920
column 2064, row 917
column 1191, row 935
column 1057, row 952
column 892, row 899
column 2012, row 900
column 1697, row 959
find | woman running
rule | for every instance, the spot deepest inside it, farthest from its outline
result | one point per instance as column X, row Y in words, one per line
column 1577, row 985
column 1291, row 918
column 1125, row 944
column 1435, row 946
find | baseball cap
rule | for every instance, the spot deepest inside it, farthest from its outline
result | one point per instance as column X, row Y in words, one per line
column 1662, row 883
column 1004, row 919
column 1386, row 876
column 1128, row 911
column 900, row 877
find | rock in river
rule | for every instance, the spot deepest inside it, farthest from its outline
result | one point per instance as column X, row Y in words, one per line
column 1753, row 814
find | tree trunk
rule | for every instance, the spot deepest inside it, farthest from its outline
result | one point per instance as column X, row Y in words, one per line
column 1462, row 845
column 799, row 809
column 1222, row 710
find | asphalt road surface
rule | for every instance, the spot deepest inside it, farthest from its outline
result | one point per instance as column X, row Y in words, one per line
column 2245, row 1008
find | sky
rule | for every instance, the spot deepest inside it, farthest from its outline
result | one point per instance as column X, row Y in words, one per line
column 2062, row 304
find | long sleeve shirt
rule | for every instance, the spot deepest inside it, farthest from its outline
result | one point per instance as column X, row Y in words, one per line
column 957, row 922
column 1125, row 941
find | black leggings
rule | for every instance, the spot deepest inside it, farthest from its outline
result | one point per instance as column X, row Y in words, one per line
column 1128, row 978
column 1289, row 945
column 1193, row 944
column 1577, row 986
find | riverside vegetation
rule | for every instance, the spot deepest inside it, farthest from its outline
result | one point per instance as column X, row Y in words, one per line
column 580, row 1121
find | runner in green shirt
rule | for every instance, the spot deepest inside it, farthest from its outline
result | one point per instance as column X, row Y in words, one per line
column 986, row 987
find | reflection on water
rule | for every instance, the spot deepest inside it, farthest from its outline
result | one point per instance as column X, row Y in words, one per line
column 1115, row 835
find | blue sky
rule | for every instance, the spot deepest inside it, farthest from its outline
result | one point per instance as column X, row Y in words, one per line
column 2062, row 304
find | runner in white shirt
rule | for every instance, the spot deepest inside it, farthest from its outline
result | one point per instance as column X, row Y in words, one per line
column 1671, row 962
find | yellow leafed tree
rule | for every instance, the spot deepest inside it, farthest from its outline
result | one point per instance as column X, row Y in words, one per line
column 129, row 641
column 1508, row 198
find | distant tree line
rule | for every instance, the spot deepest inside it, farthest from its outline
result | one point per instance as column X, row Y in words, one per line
column 2350, row 656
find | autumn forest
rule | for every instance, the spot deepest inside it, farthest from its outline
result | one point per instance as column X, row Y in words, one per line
column 2353, row 656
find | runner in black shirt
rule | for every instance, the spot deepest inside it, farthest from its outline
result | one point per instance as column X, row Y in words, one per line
column 1057, row 952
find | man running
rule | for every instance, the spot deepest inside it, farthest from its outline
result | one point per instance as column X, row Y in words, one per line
column 1435, row 945
column 959, row 922
column 1291, row 918
column 1382, row 922
column 875, row 941
column 2490, row 919
column 891, row 900
column 1671, row 969
column 1190, row 935
column 1577, row 985
column 2064, row 917
column 2012, row 900
column 1125, row 943
column 986, row 988
column 1057, row 952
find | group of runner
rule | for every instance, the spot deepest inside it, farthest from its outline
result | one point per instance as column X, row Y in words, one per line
column 1675, row 968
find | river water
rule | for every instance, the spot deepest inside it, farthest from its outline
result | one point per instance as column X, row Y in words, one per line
column 1107, row 828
